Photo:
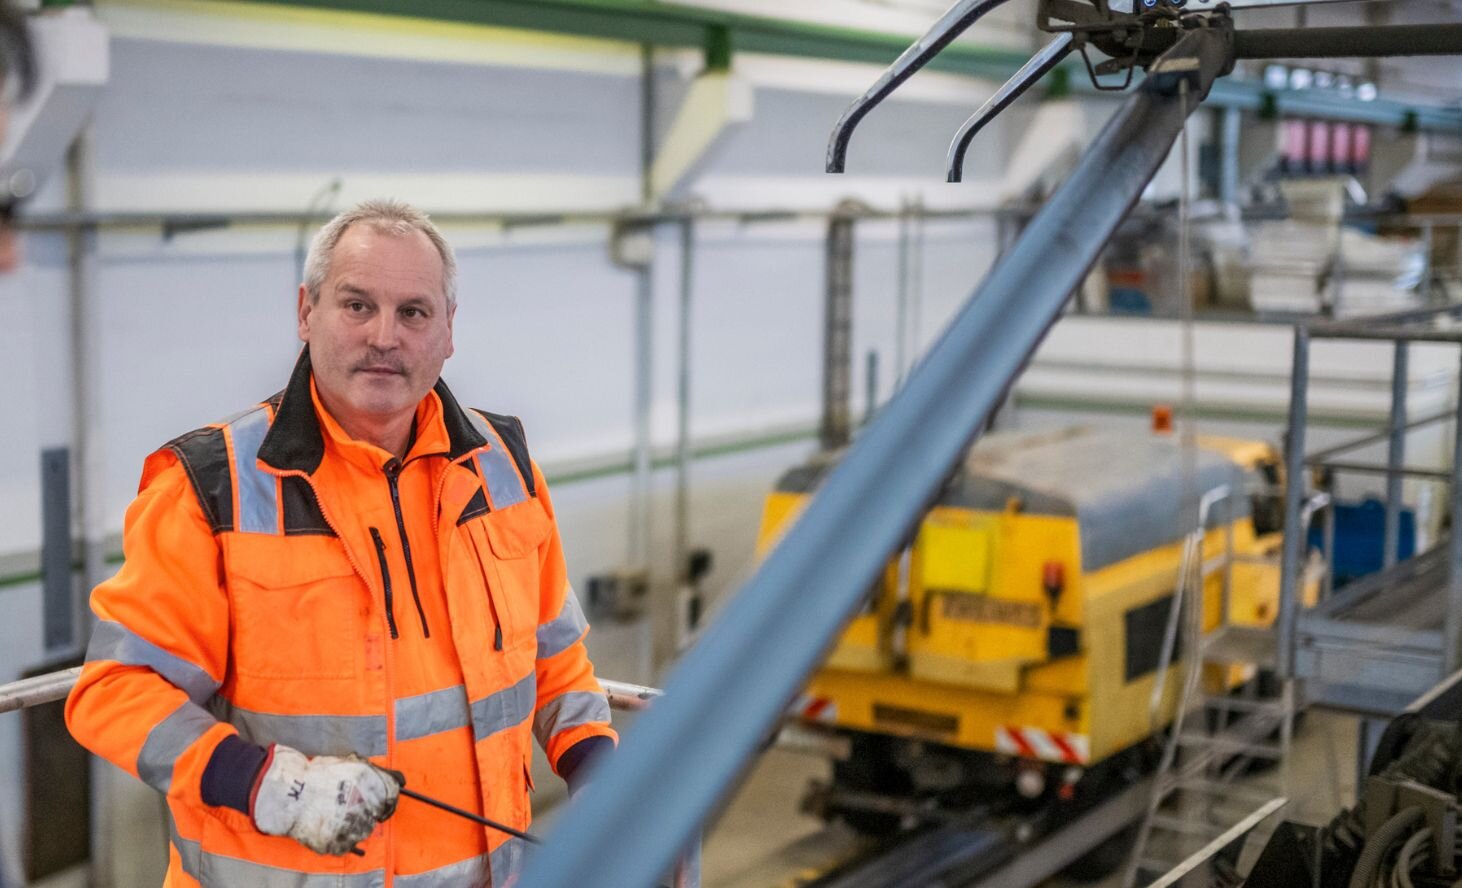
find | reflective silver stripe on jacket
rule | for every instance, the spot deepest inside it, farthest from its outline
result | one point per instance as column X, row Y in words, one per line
column 167, row 740
column 364, row 735
column 473, row 872
column 505, row 486
column 258, row 490
column 507, row 862
column 113, row 641
column 432, row 713
column 420, row 716
column 504, row 709
column 218, row 871
column 560, row 633
column 569, row 711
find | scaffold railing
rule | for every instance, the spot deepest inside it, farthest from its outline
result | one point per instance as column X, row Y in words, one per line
column 53, row 686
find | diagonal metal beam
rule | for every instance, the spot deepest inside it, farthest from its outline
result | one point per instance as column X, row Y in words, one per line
column 725, row 695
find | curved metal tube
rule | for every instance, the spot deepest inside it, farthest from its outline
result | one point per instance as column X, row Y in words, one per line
column 1040, row 64
column 950, row 25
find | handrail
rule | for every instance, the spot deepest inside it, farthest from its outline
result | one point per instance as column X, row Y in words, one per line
column 1192, row 556
column 682, row 756
column 53, row 686
column 38, row 689
column 1324, row 457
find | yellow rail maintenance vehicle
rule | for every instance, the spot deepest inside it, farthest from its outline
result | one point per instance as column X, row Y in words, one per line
column 1006, row 658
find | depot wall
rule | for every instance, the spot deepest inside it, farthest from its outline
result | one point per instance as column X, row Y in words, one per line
column 195, row 325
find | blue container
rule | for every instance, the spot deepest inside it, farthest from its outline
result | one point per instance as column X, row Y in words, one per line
column 1360, row 530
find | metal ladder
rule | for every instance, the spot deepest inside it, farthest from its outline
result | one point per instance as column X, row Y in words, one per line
column 1216, row 736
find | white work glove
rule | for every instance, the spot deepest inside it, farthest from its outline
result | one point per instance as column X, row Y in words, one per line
column 326, row 803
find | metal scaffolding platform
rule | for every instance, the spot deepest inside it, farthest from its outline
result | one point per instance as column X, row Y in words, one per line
column 1375, row 645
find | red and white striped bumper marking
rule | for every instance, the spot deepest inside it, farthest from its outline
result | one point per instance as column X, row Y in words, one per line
column 1035, row 743
column 815, row 709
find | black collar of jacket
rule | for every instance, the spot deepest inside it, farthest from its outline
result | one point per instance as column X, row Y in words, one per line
column 296, row 442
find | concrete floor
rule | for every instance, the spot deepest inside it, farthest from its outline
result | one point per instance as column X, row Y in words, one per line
column 762, row 841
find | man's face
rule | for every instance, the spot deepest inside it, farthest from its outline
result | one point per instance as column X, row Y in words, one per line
column 381, row 329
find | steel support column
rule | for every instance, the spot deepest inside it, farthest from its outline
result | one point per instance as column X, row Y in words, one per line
column 1395, row 455
column 64, row 628
column 686, row 611
column 836, row 428
column 685, row 753
column 644, row 340
column 1230, row 138
column 90, row 487
column 682, row 405
column 1452, row 622
column 1292, row 560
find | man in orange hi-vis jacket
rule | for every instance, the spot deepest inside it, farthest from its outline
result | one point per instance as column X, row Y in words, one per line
column 354, row 579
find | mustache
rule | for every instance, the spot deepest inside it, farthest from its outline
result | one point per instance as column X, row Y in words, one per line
column 376, row 360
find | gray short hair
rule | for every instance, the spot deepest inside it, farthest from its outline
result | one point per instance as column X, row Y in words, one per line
column 388, row 216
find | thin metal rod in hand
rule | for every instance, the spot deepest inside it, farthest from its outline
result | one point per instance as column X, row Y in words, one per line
column 468, row 815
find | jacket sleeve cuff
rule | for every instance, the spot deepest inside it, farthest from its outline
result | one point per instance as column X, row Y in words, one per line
column 229, row 777
column 573, row 765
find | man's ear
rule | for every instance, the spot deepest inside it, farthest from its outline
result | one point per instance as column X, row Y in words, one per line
column 451, row 346
column 303, row 311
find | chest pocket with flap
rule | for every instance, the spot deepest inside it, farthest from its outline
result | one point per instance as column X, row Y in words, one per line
column 506, row 543
column 296, row 604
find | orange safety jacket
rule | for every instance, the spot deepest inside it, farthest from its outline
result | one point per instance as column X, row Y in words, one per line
column 255, row 607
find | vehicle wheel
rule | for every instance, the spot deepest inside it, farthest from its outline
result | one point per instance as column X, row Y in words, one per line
column 870, row 768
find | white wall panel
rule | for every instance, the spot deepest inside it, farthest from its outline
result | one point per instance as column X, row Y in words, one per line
column 20, row 442
column 196, row 327
column 547, row 334
column 178, row 107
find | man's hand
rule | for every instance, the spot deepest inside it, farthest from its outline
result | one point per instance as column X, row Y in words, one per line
column 327, row 804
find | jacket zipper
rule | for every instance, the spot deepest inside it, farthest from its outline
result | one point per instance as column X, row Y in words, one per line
column 393, row 472
column 388, row 827
column 385, row 581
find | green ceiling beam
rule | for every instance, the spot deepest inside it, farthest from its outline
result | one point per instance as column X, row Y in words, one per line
column 718, row 34
column 672, row 25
